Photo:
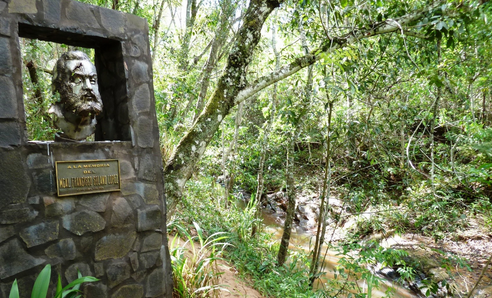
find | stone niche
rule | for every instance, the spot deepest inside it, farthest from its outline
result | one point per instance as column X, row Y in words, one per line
column 120, row 236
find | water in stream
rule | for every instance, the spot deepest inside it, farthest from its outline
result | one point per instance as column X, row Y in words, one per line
column 303, row 240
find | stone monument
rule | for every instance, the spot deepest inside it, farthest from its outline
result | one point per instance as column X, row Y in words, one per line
column 93, row 206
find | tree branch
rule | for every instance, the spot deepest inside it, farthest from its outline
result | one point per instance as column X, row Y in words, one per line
column 329, row 45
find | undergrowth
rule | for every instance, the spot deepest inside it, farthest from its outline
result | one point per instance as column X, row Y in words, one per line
column 385, row 199
column 194, row 262
column 204, row 213
column 255, row 258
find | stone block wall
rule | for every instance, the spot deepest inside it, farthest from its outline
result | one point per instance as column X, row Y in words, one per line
column 118, row 237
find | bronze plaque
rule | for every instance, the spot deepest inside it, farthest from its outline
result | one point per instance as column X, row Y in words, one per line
column 79, row 177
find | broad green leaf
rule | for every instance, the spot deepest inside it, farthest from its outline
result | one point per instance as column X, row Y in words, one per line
column 40, row 288
column 14, row 291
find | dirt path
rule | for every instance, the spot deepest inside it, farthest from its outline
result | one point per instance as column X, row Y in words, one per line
column 233, row 285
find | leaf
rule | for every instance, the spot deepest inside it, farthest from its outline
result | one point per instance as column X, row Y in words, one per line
column 436, row 81
column 199, row 231
column 379, row 17
column 440, row 25
column 486, row 166
column 304, row 3
column 72, row 288
column 14, row 291
column 79, row 275
column 69, row 293
column 40, row 288
column 58, row 286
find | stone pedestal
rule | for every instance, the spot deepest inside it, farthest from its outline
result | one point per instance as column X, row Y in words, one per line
column 120, row 236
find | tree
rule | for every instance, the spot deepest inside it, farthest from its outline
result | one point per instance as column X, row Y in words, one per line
column 220, row 36
column 233, row 88
column 289, row 169
column 191, row 147
column 260, row 180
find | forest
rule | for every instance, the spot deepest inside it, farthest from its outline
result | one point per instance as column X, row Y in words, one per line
column 323, row 148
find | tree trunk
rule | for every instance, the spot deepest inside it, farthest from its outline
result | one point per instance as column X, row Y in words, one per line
column 289, row 217
column 484, row 108
column 191, row 11
column 156, row 26
column 135, row 7
column 229, row 173
column 180, row 92
column 402, row 138
column 484, row 270
column 33, row 74
column 38, row 94
column 191, row 100
column 260, row 181
column 220, row 37
column 435, row 110
column 234, row 145
column 191, row 147
column 320, row 232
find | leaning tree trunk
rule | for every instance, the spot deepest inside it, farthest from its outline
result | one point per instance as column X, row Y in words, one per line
column 220, row 38
column 192, row 146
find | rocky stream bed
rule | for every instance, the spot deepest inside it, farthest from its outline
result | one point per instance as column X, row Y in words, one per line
column 454, row 263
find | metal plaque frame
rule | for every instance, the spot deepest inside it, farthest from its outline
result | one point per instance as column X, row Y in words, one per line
column 79, row 177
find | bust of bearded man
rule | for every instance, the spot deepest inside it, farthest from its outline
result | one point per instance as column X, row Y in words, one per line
column 75, row 80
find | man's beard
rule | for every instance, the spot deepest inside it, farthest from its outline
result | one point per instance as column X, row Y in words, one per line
column 83, row 105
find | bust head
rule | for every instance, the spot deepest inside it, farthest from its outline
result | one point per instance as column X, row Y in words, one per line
column 75, row 80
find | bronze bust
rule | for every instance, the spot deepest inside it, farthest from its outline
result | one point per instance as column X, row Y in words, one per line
column 75, row 81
